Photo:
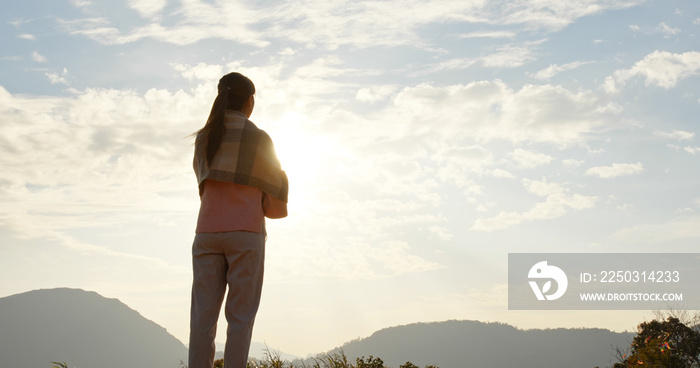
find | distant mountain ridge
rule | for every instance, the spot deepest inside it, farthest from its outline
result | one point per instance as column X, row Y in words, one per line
column 87, row 330
column 83, row 329
column 473, row 344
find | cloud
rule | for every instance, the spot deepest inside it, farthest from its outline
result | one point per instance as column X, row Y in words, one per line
column 147, row 8
column 93, row 153
column 37, row 57
column 26, row 36
column 488, row 110
column 488, row 34
column 529, row 159
column 692, row 150
column 56, row 78
column 509, row 56
column 504, row 56
column 314, row 23
column 660, row 68
column 555, row 69
column 441, row 232
column 309, row 23
column 615, row 170
column 572, row 163
column 555, row 15
column 201, row 72
column 679, row 135
column 674, row 230
column 667, row 31
column 195, row 20
column 375, row 93
column 81, row 3
column 557, row 203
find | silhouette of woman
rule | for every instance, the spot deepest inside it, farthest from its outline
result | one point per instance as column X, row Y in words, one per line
column 240, row 183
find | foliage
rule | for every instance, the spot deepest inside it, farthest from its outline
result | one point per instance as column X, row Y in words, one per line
column 370, row 363
column 272, row 360
column 663, row 344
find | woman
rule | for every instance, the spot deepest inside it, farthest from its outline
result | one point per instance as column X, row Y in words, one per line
column 240, row 183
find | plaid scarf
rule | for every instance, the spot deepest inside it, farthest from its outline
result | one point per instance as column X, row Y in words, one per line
column 246, row 156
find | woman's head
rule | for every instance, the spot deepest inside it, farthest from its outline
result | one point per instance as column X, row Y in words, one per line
column 235, row 93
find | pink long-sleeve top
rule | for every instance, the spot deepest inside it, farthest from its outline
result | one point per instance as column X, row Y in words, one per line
column 233, row 207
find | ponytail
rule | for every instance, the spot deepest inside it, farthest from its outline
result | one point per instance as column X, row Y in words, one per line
column 234, row 90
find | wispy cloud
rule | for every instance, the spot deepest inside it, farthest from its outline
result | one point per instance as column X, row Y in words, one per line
column 557, row 203
column 660, row 68
column 692, row 150
column 528, row 159
column 615, row 170
column 147, row 8
column 679, row 135
column 666, row 30
column 555, row 69
column 39, row 58
column 489, row 34
column 56, row 78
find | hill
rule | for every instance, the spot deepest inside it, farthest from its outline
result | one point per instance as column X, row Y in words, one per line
column 83, row 329
column 473, row 344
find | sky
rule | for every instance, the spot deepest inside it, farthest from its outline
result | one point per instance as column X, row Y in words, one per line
column 423, row 140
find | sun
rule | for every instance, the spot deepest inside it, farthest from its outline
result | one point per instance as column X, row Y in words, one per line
column 299, row 149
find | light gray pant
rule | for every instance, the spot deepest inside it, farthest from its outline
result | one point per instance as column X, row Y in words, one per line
column 235, row 259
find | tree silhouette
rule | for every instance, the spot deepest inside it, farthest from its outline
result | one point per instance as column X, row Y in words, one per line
column 371, row 362
column 663, row 344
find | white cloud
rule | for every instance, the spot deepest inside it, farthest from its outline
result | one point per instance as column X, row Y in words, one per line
column 509, row 56
column 488, row 110
column 199, row 21
column 200, row 72
column 634, row 27
column 692, row 150
column 488, row 34
column 615, row 170
column 56, row 78
column 375, row 93
column 555, row 69
column 81, row 3
column 674, row 230
column 363, row 24
column 441, row 232
column 26, row 36
column 542, row 188
column 660, row 68
column 38, row 57
column 530, row 159
column 555, row 14
column 147, row 8
column 556, row 204
column 504, row 56
column 679, row 135
column 572, row 163
column 667, row 31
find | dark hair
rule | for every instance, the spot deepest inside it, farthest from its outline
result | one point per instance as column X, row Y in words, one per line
column 234, row 90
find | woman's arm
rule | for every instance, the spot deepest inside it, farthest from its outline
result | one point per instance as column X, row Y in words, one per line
column 274, row 208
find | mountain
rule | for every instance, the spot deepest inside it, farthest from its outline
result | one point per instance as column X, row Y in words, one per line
column 473, row 344
column 83, row 329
